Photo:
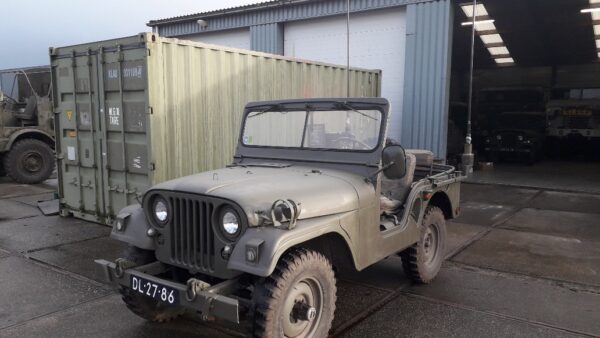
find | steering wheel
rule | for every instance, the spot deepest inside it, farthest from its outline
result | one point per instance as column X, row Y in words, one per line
column 346, row 142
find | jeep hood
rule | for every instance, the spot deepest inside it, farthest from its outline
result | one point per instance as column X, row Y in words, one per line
column 319, row 192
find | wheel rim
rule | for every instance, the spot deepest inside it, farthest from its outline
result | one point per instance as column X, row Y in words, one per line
column 302, row 309
column 431, row 244
column 32, row 162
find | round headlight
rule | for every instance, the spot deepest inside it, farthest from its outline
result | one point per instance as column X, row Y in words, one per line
column 520, row 137
column 161, row 210
column 499, row 137
column 231, row 223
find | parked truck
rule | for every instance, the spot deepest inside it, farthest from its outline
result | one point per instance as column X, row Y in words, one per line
column 26, row 127
column 574, row 118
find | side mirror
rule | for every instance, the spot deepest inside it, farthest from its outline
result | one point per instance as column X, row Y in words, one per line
column 394, row 162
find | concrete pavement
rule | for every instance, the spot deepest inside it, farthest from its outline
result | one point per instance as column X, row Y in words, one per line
column 521, row 262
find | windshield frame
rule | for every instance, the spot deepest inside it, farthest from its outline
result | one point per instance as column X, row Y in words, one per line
column 362, row 163
column 308, row 109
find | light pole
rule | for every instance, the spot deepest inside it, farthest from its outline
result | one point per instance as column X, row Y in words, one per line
column 347, row 48
column 467, row 157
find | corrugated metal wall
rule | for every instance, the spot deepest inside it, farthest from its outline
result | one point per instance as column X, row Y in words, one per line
column 197, row 93
column 427, row 76
column 273, row 14
column 267, row 38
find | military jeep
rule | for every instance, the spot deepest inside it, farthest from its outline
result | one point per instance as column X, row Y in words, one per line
column 314, row 188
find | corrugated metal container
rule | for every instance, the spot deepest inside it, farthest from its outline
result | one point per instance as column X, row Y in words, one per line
column 140, row 110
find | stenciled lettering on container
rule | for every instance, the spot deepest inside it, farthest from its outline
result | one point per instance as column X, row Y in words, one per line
column 114, row 114
column 133, row 72
column 128, row 72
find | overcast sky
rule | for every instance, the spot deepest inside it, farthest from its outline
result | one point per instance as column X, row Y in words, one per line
column 29, row 27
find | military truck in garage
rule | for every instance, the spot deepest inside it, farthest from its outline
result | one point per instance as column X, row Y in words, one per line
column 574, row 119
column 27, row 130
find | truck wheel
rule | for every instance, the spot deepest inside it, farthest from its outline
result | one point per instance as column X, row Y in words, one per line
column 29, row 161
column 422, row 261
column 298, row 299
column 145, row 307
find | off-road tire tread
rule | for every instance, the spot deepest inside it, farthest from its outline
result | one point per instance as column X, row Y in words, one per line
column 140, row 305
column 410, row 260
column 11, row 166
column 272, row 290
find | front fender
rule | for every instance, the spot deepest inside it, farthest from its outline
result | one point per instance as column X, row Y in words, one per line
column 31, row 131
column 273, row 242
column 136, row 227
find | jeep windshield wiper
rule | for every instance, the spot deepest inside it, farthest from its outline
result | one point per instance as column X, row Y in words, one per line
column 347, row 106
column 264, row 110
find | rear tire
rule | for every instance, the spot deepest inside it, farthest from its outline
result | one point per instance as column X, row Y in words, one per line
column 302, row 285
column 145, row 307
column 29, row 161
column 422, row 261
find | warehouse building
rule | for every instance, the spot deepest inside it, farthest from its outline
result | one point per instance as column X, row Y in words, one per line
column 423, row 48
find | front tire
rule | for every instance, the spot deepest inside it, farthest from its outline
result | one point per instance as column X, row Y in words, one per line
column 145, row 307
column 298, row 299
column 29, row 161
column 422, row 261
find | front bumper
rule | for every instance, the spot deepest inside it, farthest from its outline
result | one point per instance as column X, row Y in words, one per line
column 566, row 132
column 207, row 299
column 504, row 149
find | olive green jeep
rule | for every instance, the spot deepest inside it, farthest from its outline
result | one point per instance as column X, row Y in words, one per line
column 314, row 188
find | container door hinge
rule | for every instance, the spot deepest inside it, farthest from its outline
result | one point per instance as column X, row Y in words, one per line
column 151, row 166
column 148, row 49
column 150, row 110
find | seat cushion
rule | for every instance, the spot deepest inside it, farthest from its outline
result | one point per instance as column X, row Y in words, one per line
column 424, row 157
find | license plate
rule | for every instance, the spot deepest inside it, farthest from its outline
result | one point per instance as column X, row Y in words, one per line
column 157, row 291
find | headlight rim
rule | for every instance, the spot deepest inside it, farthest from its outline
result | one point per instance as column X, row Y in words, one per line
column 155, row 199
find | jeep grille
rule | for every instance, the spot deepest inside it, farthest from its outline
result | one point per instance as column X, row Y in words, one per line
column 191, row 236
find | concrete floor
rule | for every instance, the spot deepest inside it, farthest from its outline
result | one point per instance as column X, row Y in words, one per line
column 549, row 175
column 521, row 262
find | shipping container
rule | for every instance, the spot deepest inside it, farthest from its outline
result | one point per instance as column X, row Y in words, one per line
column 136, row 111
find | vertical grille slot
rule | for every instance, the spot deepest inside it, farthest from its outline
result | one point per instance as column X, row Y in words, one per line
column 191, row 233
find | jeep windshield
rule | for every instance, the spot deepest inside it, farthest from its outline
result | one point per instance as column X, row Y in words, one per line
column 346, row 130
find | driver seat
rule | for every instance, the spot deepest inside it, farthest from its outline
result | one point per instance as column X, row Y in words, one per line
column 395, row 191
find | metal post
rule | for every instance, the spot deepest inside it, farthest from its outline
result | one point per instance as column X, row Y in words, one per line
column 347, row 48
column 467, row 156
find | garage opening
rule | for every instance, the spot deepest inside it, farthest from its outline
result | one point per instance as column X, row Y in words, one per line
column 536, row 92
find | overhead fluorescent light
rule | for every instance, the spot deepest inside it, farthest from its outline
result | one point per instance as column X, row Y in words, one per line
column 498, row 50
column 480, row 22
column 594, row 2
column 504, row 60
column 590, row 10
column 479, row 9
column 598, row 54
column 595, row 16
column 491, row 38
column 597, row 30
column 485, row 26
column 598, row 44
